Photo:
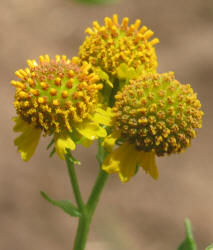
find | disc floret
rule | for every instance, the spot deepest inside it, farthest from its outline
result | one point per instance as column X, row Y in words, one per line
column 55, row 94
column 58, row 97
column 114, row 44
column 153, row 115
column 157, row 113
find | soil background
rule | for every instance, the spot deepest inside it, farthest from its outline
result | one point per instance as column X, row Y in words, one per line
column 142, row 214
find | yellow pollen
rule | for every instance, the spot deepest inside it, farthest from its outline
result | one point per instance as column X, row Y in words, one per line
column 23, row 94
column 56, row 102
column 17, row 84
column 35, row 92
column 44, row 85
column 148, row 34
column 69, row 83
column 41, row 100
column 64, row 94
column 53, row 92
column 115, row 19
column 125, row 22
column 71, row 73
column 143, row 29
column 57, row 81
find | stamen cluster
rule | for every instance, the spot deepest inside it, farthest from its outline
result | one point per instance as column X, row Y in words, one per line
column 157, row 113
column 113, row 44
column 55, row 93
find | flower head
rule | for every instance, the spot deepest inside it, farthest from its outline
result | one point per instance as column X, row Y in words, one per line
column 155, row 115
column 115, row 47
column 59, row 97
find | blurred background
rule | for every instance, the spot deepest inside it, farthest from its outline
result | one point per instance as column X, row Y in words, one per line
column 143, row 213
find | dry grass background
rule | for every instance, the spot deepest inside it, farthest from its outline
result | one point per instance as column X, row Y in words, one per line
column 142, row 214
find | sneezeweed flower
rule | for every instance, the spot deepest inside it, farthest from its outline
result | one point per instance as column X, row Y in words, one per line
column 152, row 116
column 119, row 50
column 57, row 97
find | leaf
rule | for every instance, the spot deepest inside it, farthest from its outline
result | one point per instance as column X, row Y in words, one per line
column 188, row 243
column 65, row 205
column 50, row 144
column 209, row 247
column 52, row 152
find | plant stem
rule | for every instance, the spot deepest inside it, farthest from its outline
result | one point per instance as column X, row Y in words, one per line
column 88, row 211
column 74, row 182
column 96, row 191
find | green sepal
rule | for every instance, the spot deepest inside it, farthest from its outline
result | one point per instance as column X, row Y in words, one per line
column 103, row 76
column 189, row 242
column 102, row 152
column 125, row 72
column 65, row 205
column 209, row 247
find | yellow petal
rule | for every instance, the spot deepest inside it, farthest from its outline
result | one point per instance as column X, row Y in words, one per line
column 28, row 140
column 90, row 130
column 122, row 160
column 62, row 142
column 20, row 125
column 112, row 162
column 128, row 163
column 148, row 163
column 110, row 140
column 102, row 116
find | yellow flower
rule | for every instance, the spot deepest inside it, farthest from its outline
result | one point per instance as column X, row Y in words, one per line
column 119, row 49
column 58, row 97
column 153, row 115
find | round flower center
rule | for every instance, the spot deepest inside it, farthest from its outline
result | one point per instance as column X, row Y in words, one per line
column 158, row 113
column 113, row 44
column 55, row 93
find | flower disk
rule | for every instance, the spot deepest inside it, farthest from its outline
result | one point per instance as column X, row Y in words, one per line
column 56, row 93
column 114, row 44
column 157, row 113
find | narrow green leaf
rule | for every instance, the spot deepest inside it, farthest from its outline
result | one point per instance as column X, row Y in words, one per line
column 188, row 243
column 52, row 152
column 209, row 247
column 65, row 205
column 50, row 144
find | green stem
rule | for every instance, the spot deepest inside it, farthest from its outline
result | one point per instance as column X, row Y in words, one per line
column 88, row 211
column 96, row 191
column 74, row 182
